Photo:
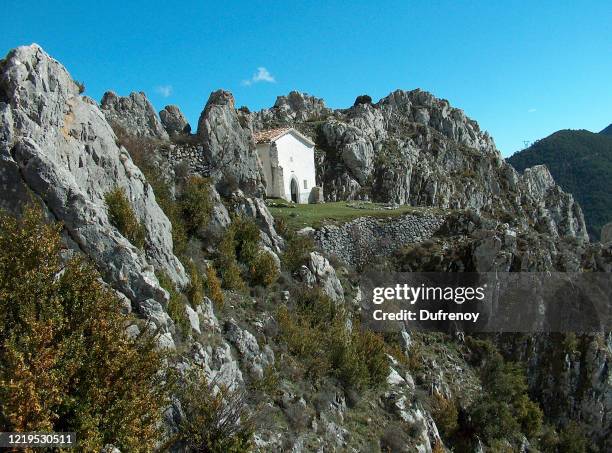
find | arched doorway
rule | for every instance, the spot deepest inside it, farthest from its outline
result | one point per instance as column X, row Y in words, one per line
column 295, row 191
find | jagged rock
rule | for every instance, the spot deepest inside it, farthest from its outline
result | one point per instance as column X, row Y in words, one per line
column 326, row 276
column 606, row 233
column 558, row 213
column 229, row 147
column 218, row 363
column 207, row 315
column 394, row 378
column 154, row 312
column 165, row 341
column 134, row 114
column 294, row 107
column 256, row 208
column 412, row 148
column 174, row 121
column 246, row 344
column 306, row 276
column 356, row 150
column 194, row 320
column 59, row 147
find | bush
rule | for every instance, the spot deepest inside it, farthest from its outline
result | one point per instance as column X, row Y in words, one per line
column 213, row 286
column 240, row 243
column 216, row 418
column 176, row 305
column 196, row 203
column 195, row 290
column 122, row 216
column 246, row 239
column 316, row 331
column 281, row 226
column 297, row 251
column 66, row 362
column 572, row 439
column 81, row 86
column 232, row 278
column 363, row 99
column 359, row 358
column 504, row 410
column 445, row 414
column 263, row 270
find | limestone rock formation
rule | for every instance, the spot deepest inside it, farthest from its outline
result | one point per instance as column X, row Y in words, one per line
column 229, row 147
column 174, row 121
column 295, row 107
column 58, row 147
column 325, row 275
column 134, row 114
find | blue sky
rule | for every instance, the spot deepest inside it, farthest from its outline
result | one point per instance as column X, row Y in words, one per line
column 522, row 70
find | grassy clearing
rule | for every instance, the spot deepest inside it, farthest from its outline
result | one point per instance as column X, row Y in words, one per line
column 314, row 215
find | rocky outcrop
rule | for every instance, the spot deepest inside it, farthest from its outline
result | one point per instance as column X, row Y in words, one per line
column 229, row 147
column 255, row 359
column 325, row 276
column 134, row 114
column 174, row 121
column 557, row 212
column 295, row 107
column 58, row 147
column 257, row 209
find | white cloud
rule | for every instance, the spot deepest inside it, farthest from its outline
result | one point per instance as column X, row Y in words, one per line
column 262, row 75
column 531, row 110
column 164, row 90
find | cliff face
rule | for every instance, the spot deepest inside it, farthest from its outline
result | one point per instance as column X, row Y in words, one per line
column 58, row 149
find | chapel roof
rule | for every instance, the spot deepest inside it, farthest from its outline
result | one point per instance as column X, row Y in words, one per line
column 271, row 135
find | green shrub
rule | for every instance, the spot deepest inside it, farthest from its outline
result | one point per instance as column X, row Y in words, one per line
column 316, row 331
column 445, row 414
column 216, row 420
column 195, row 290
column 66, row 362
column 122, row 216
column 263, row 270
column 572, row 439
column 297, row 251
column 246, row 239
column 232, row 278
column 176, row 304
column 240, row 244
column 504, row 409
column 213, row 286
column 196, row 203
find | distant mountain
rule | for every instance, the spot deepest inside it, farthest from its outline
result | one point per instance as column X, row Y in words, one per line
column 581, row 163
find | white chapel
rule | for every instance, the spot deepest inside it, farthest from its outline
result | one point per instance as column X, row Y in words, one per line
column 287, row 157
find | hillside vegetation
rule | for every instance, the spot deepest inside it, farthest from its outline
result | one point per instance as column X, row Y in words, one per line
column 581, row 163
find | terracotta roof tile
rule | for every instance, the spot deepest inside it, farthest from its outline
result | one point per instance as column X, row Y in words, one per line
column 268, row 135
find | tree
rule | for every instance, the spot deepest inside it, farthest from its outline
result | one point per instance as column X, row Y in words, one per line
column 67, row 363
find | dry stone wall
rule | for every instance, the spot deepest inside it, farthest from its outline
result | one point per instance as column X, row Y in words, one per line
column 360, row 240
